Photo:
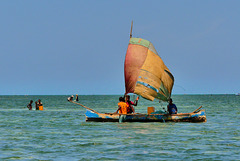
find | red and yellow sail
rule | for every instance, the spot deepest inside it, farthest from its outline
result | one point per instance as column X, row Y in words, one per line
column 145, row 72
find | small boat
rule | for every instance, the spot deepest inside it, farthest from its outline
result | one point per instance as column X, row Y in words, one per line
column 147, row 76
column 198, row 116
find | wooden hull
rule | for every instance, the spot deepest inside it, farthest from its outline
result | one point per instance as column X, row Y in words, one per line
column 112, row 117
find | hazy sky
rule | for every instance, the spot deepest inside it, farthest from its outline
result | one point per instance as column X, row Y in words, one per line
column 69, row 47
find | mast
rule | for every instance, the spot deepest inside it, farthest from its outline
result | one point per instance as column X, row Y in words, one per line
column 131, row 30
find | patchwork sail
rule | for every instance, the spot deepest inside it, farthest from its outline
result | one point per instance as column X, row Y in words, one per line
column 145, row 72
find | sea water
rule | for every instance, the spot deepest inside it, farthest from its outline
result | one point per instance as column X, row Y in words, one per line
column 61, row 133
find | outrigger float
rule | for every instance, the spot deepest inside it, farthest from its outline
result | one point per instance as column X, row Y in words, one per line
column 147, row 76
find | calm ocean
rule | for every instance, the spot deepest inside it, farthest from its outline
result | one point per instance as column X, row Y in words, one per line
column 61, row 133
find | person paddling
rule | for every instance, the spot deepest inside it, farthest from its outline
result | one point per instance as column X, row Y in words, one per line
column 29, row 106
column 172, row 108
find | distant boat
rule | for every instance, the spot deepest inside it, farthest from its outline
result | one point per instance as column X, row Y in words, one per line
column 238, row 94
column 146, row 75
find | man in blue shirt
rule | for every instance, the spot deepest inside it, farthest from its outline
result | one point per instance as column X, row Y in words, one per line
column 172, row 108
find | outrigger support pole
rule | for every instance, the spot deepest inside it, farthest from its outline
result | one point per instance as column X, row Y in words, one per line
column 84, row 106
column 197, row 109
column 131, row 30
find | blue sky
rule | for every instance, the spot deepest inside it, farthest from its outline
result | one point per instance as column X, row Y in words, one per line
column 68, row 47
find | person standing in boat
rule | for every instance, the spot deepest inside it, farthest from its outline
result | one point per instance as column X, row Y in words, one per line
column 122, row 109
column 122, row 106
column 29, row 106
column 172, row 108
column 131, row 104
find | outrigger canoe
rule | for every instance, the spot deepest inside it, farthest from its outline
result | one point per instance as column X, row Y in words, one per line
column 197, row 115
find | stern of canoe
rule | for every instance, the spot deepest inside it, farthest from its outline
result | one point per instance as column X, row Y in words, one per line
column 188, row 117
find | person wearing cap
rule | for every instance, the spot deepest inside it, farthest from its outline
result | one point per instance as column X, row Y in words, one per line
column 172, row 108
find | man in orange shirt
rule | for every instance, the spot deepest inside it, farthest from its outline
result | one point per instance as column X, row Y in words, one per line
column 122, row 109
column 122, row 106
